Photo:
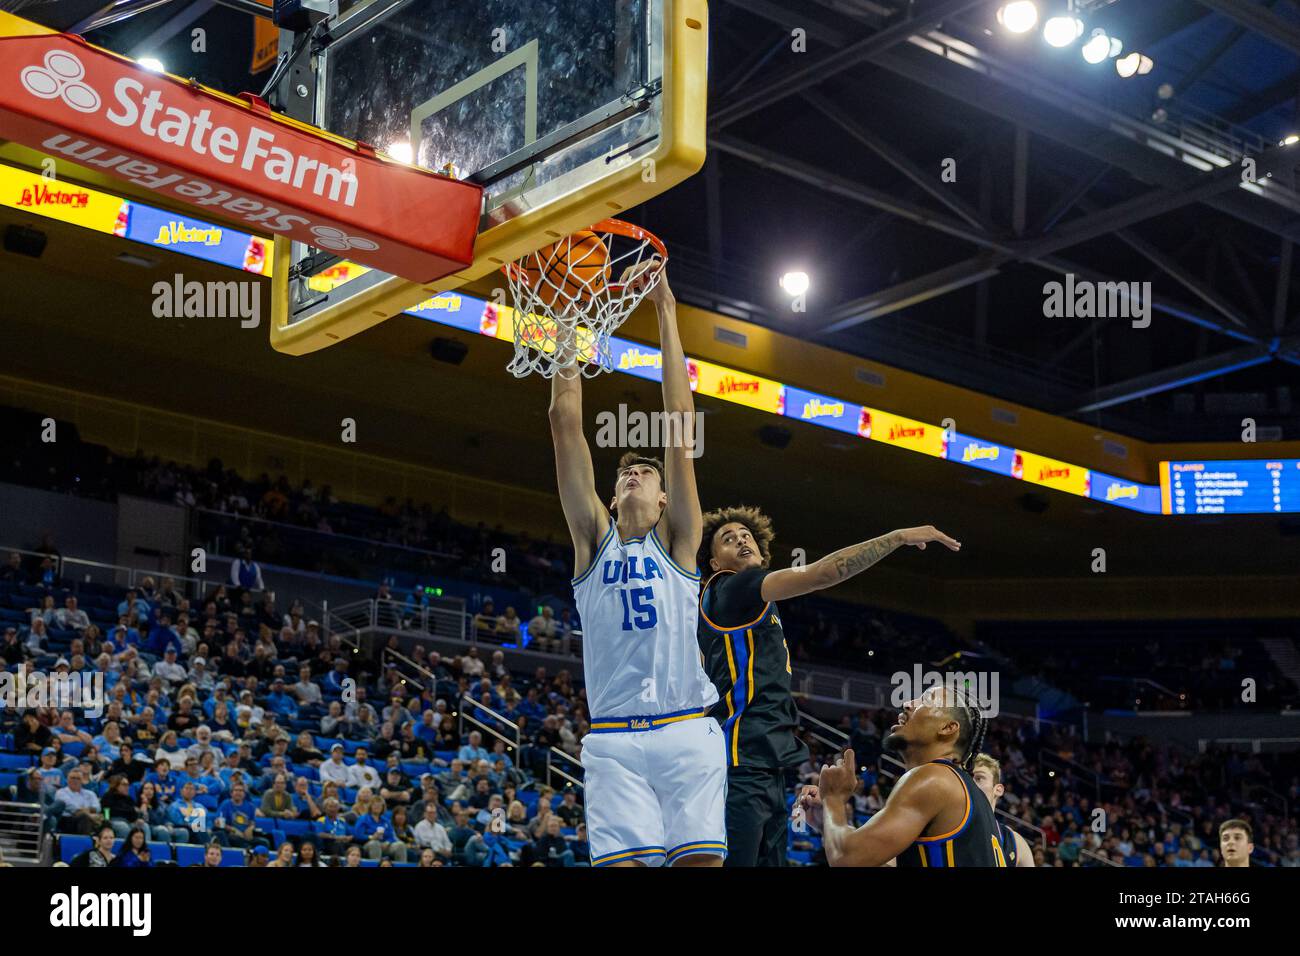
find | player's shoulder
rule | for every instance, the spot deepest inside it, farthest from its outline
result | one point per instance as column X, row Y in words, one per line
column 930, row 779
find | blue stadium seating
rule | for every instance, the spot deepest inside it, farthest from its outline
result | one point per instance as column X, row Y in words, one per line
column 71, row 846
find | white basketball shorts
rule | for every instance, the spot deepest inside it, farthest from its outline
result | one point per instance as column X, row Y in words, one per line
column 656, row 795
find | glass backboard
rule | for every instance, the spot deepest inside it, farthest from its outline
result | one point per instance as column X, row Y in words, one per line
column 565, row 111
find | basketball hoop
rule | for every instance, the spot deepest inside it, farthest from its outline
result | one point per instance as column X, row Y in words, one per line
column 566, row 304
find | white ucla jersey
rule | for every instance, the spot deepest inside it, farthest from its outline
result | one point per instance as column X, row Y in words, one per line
column 639, row 612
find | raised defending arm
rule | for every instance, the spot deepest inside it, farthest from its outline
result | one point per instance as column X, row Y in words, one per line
column 847, row 562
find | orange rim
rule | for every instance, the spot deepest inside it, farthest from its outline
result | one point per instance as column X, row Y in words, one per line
column 616, row 227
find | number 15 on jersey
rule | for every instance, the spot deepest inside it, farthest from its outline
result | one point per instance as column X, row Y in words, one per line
column 638, row 608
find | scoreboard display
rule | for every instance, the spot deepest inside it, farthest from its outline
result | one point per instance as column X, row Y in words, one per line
column 1252, row 486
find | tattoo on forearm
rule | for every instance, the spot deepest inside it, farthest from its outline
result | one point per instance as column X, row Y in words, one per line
column 857, row 558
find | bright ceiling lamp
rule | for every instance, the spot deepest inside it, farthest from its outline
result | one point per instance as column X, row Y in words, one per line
column 795, row 283
column 1290, row 140
column 1100, row 47
column 151, row 63
column 1061, row 31
column 1019, row 16
column 1135, row 64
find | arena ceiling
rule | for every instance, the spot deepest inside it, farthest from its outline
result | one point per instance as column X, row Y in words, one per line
column 827, row 158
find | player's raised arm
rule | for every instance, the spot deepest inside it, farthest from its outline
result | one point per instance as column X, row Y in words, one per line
column 684, row 520
column 915, row 801
column 583, row 510
column 847, row 562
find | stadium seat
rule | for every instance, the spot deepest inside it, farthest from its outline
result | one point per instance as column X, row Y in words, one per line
column 71, row 846
column 15, row 761
column 8, row 779
column 188, row 854
column 295, row 828
column 74, row 749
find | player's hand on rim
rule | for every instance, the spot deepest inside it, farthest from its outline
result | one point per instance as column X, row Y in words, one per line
column 636, row 276
column 919, row 537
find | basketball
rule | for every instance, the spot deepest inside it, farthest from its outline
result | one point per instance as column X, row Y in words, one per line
column 576, row 267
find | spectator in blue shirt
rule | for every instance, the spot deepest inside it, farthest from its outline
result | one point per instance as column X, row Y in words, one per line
column 162, row 636
column 486, row 849
column 427, row 729
column 133, row 607
column 332, row 830
column 332, row 683
column 473, row 751
column 376, row 832
column 164, row 781
column 124, row 635
column 246, row 573
column 236, row 816
column 531, row 707
column 186, row 812
column 279, row 702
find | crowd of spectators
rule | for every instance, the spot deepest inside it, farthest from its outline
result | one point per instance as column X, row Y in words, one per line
column 306, row 526
column 239, row 724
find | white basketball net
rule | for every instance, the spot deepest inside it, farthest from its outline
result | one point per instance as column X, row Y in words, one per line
column 563, row 317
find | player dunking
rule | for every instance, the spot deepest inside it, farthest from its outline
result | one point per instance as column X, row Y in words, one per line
column 749, row 662
column 654, row 766
column 988, row 777
column 935, row 816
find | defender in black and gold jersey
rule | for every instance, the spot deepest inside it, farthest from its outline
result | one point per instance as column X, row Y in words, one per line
column 988, row 777
column 746, row 656
column 935, row 816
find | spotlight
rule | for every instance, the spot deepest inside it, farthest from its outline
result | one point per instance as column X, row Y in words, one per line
column 1019, row 16
column 795, row 283
column 1061, row 31
column 1100, row 47
column 1290, row 139
column 151, row 63
column 1133, row 65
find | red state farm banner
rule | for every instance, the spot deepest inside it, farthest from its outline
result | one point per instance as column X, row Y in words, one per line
column 224, row 156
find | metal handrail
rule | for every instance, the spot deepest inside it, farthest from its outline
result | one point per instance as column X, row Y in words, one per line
column 833, row 744
column 336, row 535
column 1042, row 834
column 1084, row 851
column 466, row 702
column 22, row 828
column 1044, row 755
column 551, row 768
